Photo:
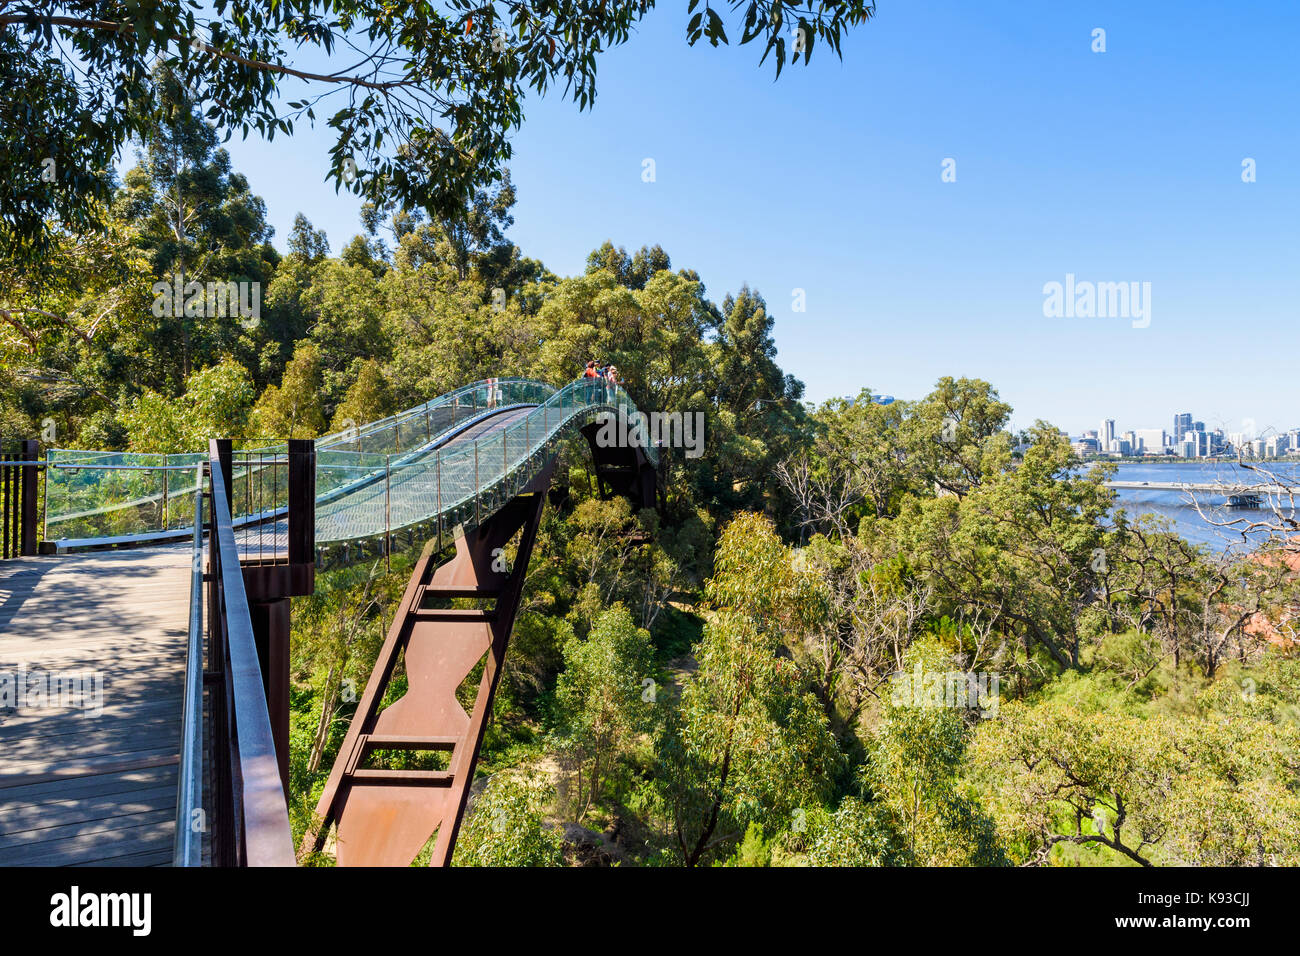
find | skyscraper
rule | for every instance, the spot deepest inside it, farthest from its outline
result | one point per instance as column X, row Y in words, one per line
column 1182, row 425
column 1107, row 434
column 1153, row 440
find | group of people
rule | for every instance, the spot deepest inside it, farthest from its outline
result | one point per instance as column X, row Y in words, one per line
column 602, row 370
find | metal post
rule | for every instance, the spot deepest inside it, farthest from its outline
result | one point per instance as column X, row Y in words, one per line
column 45, row 502
column 388, row 512
column 476, row 481
column 5, row 508
column 28, row 544
column 301, row 495
column 164, row 503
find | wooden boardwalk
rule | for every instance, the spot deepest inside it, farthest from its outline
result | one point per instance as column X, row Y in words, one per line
column 78, row 789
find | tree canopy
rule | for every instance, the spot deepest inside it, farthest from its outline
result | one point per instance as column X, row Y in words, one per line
column 421, row 98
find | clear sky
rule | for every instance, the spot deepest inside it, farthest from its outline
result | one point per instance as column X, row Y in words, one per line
column 1122, row 166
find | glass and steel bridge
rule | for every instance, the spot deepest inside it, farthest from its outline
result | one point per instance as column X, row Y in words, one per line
column 451, row 461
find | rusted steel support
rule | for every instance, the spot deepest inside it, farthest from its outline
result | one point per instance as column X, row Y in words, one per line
column 271, row 637
column 386, row 817
column 302, row 505
column 269, row 582
column 622, row 471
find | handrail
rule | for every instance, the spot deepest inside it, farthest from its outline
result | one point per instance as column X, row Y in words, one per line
column 258, row 831
column 328, row 442
column 428, row 481
column 470, row 399
column 188, row 848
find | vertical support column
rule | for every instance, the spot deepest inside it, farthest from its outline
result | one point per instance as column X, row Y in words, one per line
column 31, row 452
column 226, row 456
column 6, row 505
column 166, row 474
column 271, row 634
column 273, row 584
column 302, row 501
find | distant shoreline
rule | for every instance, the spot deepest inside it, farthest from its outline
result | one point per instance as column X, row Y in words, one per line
column 1154, row 460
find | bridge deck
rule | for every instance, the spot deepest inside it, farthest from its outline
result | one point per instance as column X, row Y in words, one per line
column 1217, row 487
column 78, row 789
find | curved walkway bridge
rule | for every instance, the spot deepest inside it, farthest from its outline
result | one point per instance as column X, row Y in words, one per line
column 144, row 626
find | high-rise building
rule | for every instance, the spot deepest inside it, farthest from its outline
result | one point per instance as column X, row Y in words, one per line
column 1107, row 433
column 1182, row 425
column 1152, row 440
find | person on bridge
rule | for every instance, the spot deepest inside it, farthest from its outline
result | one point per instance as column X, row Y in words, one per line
column 591, row 370
column 611, row 376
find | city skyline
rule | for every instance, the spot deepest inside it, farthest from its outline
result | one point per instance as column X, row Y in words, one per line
column 1189, row 438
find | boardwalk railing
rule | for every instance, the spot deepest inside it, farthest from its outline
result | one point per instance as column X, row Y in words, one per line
column 398, row 474
column 191, row 818
column 249, row 818
column 18, row 533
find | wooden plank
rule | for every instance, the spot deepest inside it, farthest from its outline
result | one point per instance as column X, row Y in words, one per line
column 105, row 846
column 78, row 788
column 147, row 858
column 73, row 747
column 64, row 832
column 53, row 812
column 18, row 774
column 144, row 712
column 126, row 782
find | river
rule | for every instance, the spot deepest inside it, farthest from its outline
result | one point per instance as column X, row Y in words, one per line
column 1175, row 505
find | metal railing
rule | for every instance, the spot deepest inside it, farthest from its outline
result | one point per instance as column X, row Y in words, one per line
column 191, row 818
column 460, row 481
column 250, row 819
column 411, row 472
column 96, row 496
column 18, row 500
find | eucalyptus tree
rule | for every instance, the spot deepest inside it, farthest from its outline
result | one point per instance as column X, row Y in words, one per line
column 197, row 220
column 750, row 743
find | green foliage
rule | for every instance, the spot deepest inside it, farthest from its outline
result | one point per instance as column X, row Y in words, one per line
column 860, row 834
column 435, row 130
column 216, row 404
column 507, row 827
column 369, row 399
column 1203, row 790
column 914, row 767
column 753, row 849
column 602, row 702
column 293, row 409
column 749, row 744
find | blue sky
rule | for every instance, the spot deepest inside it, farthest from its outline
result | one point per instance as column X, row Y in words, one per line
column 1116, row 166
